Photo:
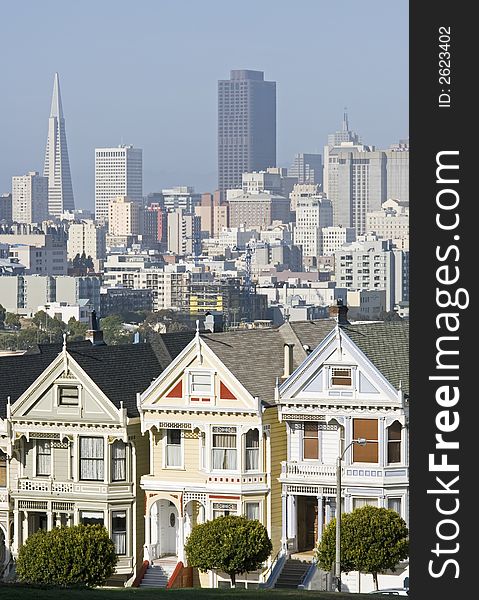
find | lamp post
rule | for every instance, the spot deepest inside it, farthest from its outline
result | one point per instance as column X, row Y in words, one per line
column 337, row 569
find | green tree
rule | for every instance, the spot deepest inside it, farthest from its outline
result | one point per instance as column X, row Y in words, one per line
column 79, row 555
column 76, row 330
column 373, row 540
column 231, row 544
column 12, row 320
column 113, row 331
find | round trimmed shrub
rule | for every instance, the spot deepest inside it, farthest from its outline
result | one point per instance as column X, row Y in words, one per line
column 82, row 555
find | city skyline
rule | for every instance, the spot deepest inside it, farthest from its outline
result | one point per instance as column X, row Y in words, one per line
column 166, row 104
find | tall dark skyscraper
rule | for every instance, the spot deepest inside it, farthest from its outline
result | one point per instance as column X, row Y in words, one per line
column 246, row 126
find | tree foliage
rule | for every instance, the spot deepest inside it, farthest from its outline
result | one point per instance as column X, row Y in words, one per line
column 79, row 555
column 76, row 330
column 231, row 544
column 12, row 320
column 373, row 540
column 113, row 331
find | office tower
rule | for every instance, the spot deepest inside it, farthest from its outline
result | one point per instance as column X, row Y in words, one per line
column 6, row 207
column 312, row 214
column 181, row 196
column 258, row 210
column 397, row 171
column 344, row 135
column 30, row 198
column 184, row 231
column 308, row 168
column 124, row 217
column 246, row 126
column 57, row 164
column 118, row 172
column 356, row 183
column 302, row 190
column 89, row 238
column 154, row 224
column 335, row 237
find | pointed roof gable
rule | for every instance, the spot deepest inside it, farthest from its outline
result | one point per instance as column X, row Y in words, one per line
column 119, row 371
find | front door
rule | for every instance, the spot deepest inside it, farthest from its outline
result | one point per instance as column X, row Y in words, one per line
column 168, row 533
column 307, row 523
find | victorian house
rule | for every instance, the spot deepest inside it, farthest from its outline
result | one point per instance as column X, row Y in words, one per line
column 352, row 386
column 72, row 450
column 216, row 443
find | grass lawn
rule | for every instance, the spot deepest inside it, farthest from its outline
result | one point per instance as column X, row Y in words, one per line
column 18, row 592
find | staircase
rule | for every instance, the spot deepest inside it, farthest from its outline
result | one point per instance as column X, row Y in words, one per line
column 159, row 572
column 292, row 573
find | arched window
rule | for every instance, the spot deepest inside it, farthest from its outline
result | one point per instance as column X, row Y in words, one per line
column 394, row 442
column 252, row 450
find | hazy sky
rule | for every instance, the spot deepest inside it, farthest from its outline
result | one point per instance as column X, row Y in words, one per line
column 145, row 73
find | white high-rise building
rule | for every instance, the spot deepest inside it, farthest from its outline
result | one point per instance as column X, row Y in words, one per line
column 123, row 216
column 57, row 164
column 89, row 238
column 335, row 237
column 30, row 198
column 312, row 214
column 118, row 172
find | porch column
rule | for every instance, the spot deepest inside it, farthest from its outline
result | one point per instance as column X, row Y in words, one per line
column 58, row 519
column 69, row 519
column 320, row 518
column 180, row 551
column 292, row 516
column 147, row 517
column 284, row 521
column 328, row 511
column 49, row 520
column 24, row 522
column 17, row 527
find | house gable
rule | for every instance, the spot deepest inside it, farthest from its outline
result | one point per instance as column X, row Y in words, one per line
column 64, row 392
column 197, row 380
column 337, row 371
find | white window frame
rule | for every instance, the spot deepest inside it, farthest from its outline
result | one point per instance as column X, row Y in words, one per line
column 35, row 457
column 127, row 464
column 353, row 498
column 165, row 445
column 260, row 508
column 238, row 448
column 396, row 497
column 189, row 379
column 332, row 368
column 314, row 461
column 259, row 449
column 66, row 383
column 127, row 529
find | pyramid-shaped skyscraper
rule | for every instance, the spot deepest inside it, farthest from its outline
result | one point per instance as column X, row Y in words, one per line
column 57, row 165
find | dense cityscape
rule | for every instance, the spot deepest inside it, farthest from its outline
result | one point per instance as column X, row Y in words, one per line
column 180, row 358
column 269, row 245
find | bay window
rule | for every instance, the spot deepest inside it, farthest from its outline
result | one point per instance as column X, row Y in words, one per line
column 310, row 441
column 118, row 531
column 252, row 510
column 252, row 450
column 91, row 458
column 368, row 430
column 118, row 461
column 394, row 442
column 44, row 457
column 173, row 448
column 224, row 451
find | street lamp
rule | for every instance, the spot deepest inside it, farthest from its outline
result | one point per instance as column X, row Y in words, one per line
column 337, row 570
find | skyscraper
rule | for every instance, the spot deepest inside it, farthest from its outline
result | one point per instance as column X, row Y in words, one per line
column 308, row 168
column 246, row 126
column 118, row 172
column 57, row 165
column 30, row 198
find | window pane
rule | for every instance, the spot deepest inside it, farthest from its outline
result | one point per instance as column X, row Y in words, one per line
column 173, row 456
column 310, row 448
column 43, row 457
column 365, row 428
column 200, row 382
column 341, row 377
column 173, row 436
column 252, row 510
column 222, row 440
column 118, row 458
column 91, row 518
column 118, row 525
column 395, row 504
column 252, row 459
column 360, row 502
column 252, row 439
column 69, row 396
column 367, row 453
column 91, row 459
column 394, row 431
column 311, row 430
column 3, row 469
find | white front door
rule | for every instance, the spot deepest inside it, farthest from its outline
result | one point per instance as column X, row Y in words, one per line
column 168, row 528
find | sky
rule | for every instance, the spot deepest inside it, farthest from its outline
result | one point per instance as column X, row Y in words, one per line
column 145, row 73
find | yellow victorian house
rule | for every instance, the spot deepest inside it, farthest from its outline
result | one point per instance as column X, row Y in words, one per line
column 216, row 443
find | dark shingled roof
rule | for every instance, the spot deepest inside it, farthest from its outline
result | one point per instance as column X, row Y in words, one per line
column 255, row 356
column 387, row 347
column 119, row 371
